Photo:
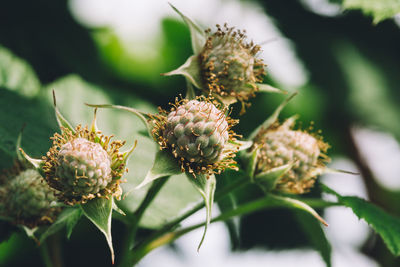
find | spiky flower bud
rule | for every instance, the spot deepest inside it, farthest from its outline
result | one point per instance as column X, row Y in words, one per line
column 198, row 135
column 83, row 165
column 26, row 199
column 281, row 145
column 229, row 65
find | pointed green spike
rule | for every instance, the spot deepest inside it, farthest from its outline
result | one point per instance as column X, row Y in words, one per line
column 20, row 156
column 243, row 145
column 266, row 88
column 196, row 33
column 269, row 179
column 190, row 70
column 251, row 159
column 295, row 203
column 273, row 117
column 93, row 127
column 190, row 93
column 30, row 232
column 62, row 122
column 206, row 187
column 117, row 209
column 37, row 163
column 128, row 153
column 141, row 115
column 330, row 170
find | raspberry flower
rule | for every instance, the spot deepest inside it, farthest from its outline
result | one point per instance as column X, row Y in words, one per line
column 224, row 64
column 83, row 164
column 198, row 134
column 280, row 145
column 25, row 199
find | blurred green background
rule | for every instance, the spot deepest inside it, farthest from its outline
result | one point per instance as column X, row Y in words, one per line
column 345, row 67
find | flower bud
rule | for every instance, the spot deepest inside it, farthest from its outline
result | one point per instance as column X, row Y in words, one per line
column 27, row 199
column 198, row 135
column 229, row 65
column 84, row 165
column 280, row 146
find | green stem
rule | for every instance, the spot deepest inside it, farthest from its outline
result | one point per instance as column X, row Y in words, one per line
column 162, row 236
column 44, row 252
column 137, row 216
column 269, row 201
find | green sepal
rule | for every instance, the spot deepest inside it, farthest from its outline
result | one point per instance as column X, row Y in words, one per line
column 117, row 209
column 206, row 187
column 316, row 235
column 266, row 88
column 297, row 204
column 197, row 35
column 250, row 161
column 269, row 179
column 190, row 93
column 164, row 165
column 190, row 70
column 67, row 218
column 30, row 232
column 99, row 212
column 241, row 145
column 37, row 163
column 141, row 115
column 62, row 122
column 20, row 156
column 268, row 122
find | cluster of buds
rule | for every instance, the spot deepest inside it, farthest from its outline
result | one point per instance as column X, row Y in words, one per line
column 25, row 198
column 280, row 145
column 198, row 133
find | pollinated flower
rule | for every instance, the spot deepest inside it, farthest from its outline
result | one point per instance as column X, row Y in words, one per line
column 26, row 199
column 229, row 65
column 280, row 145
column 84, row 164
column 224, row 65
column 198, row 134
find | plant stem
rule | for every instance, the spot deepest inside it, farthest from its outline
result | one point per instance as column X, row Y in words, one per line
column 136, row 217
column 269, row 201
column 44, row 252
column 149, row 242
column 51, row 252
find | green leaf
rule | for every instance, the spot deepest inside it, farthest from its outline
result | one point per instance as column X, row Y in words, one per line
column 196, row 33
column 16, row 75
column 190, row 70
column 164, row 165
column 67, row 218
column 267, row 180
column 379, row 10
column 99, row 212
column 206, row 187
column 386, row 225
column 271, row 119
column 316, row 235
